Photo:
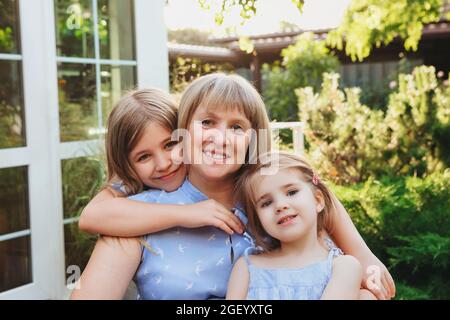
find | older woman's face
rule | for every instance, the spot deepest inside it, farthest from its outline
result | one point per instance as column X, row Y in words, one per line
column 219, row 140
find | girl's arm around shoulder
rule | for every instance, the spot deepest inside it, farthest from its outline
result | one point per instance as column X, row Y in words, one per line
column 345, row 279
column 111, row 213
column 239, row 279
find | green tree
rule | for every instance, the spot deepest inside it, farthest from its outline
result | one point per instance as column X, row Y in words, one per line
column 369, row 23
column 247, row 8
column 303, row 65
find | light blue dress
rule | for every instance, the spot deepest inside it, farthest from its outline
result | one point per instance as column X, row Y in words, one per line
column 307, row 283
column 187, row 263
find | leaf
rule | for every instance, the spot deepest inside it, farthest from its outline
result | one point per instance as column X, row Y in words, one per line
column 246, row 44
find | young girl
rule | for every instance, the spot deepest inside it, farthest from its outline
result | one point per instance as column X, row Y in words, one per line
column 287, row 211
column 140, row 155
column 218, row 103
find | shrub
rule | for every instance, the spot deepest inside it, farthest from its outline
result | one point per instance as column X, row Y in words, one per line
column 351, row 142
column 406, row 223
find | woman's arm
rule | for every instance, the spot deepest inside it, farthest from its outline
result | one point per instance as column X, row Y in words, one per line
column 376, row 277
column 345, row 279
column 113, row 214
column 111, row 267
column 238, row 283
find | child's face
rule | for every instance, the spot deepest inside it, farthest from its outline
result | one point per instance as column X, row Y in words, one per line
column 219, row 142
column 286, row 205
column 153, row 159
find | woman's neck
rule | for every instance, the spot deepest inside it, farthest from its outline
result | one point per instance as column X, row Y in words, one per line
column 219, row 190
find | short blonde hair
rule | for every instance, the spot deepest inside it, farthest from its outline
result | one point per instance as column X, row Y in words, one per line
column 227, row 92
column 126, row 124
column 280, row 161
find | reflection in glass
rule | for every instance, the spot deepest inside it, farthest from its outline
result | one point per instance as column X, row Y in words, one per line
column 78, row 246
column 9, row 26
column 77, row 102
column 13, row 200
column 74, row 28
column 116, row 31
column 12, row 121
column 116, row 80
column 77, row 192
column 15, row 263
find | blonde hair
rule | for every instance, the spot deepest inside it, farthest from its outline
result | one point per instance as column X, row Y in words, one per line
column 126, row 124
column 280, row 161
column 227, row 92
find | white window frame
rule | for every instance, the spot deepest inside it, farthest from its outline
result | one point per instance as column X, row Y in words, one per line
column 44, row 151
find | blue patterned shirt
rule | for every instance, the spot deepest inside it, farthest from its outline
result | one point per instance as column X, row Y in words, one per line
column 183, row 263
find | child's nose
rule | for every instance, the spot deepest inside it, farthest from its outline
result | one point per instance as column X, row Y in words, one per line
column 281, row 208
column 163, row 163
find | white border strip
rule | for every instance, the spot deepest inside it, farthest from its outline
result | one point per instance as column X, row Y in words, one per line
column 94, row 61
column 15, row 235
column 27, row 292
column 286, row 125
column 77, row 149
column 71, row 220
column 14, row 157
column 7, row 56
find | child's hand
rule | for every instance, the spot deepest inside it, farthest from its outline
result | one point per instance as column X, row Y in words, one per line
column 211, row 213
column 377, row 279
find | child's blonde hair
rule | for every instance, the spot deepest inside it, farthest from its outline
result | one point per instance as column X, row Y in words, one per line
column 126, row 124
column 280, row 161
column 227, row 92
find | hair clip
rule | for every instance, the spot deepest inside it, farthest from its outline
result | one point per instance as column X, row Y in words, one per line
column 315, row 179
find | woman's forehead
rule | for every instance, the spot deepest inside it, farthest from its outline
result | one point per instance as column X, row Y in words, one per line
column 231, row 112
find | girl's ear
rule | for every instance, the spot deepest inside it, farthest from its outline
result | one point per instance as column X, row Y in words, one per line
column 320, row 202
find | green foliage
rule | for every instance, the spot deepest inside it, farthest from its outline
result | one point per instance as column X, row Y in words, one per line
column 185, row 70
column 9, row 28
column 375, row 94
column 76, row 195
column 247, row 8
column 190, row 36
column 303, row 64
column 418, row 116
column 405, row 292
column 344, row 136
column 11, row 125
column 351, row 142
column 406, row 223
column 6, row 39
column 369, row 23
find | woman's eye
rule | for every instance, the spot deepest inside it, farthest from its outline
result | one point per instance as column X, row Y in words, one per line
column 237, row 127
column 292, row 192
column 266, row 203
column 206, row 122
column 143, row 157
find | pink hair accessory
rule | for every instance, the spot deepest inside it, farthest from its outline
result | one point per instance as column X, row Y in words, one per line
column 315, row 179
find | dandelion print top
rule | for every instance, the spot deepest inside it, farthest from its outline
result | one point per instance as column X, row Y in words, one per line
column 182, row 263
column 307, row 283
